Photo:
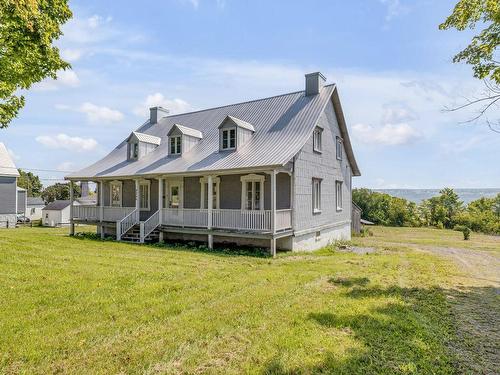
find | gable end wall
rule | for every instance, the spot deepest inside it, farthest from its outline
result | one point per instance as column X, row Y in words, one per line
column 309, row 165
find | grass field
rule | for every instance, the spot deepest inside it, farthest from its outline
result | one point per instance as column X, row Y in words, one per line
column 72, row 305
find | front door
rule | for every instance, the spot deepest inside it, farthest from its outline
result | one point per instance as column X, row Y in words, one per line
column 174, row 200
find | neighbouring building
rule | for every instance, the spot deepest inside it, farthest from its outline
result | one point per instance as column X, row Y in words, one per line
column 9, row 196
column 34, row 208
column 274, row 172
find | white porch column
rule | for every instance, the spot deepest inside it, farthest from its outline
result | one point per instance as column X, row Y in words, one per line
column 71, row 201
column 273, row 212
column 137, row 199
column 210, row 203
column 101, row 205
column 160, row 205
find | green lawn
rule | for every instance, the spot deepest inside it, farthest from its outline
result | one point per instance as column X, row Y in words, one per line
column 73, row 305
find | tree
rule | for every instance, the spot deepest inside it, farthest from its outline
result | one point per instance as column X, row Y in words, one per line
column 481, row 52
column 27, row 30
column 30, row 182
column 59, row 191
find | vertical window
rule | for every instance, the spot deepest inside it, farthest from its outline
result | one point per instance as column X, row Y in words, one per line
column 175, row 145
column 116, row 194
column 316, row 195
column 228, row 139
column 135, row 150
column 252, row 192
column 317, row 139
column 144, row 195
column 338, row 198
column 215, row 194
column 339, row 148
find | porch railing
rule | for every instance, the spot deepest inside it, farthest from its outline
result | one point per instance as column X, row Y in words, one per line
column 124, row 225
column 88, row 213
column 283, row 219
column 150, row 225
column 116, row 213
column 255, row 220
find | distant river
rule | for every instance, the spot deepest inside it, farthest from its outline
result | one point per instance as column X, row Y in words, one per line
column 418, row 195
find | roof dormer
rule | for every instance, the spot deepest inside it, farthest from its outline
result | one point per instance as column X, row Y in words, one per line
column 182, row 139
column 140, row 144
column 234, row 132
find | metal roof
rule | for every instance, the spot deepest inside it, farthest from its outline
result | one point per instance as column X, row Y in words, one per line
column 57, row 205
column 7, row 166
column 282, row 123
column 187, row 131
column 238, row 122
column 35, row 201
column 148, row 138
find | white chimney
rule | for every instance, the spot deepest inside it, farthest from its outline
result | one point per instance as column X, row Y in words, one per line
column 314, row 83
column 156, row 113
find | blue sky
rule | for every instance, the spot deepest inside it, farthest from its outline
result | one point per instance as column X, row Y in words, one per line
column 391, row 63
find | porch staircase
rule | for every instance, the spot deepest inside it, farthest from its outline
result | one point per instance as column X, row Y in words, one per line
column 134, row 235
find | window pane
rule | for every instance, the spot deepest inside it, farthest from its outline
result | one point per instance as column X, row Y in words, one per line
column 232, row 138
column 257, row 195
column 249, row 196
column 174, row 196
column 172, row 145
column 224, row 138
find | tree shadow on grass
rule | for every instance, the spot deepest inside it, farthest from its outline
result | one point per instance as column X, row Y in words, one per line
column 411, row 330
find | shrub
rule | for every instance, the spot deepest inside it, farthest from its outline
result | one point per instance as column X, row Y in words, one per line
column 464, row 229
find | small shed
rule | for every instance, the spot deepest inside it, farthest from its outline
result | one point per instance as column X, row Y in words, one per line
column 56, row 213
column 34, row 208
column 356, row 218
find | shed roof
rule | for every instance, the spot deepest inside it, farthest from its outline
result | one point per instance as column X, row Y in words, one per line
column 285, row 120
column 57, row 205
column 35, row 201
column 7, row 166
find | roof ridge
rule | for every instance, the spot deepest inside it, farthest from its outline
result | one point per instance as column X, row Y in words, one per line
column 243, row 102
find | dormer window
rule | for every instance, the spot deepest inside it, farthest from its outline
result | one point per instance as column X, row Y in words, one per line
column 229, row 139
column 317, row 139
column 140, row 144
column 234, row 133
column 175, row 145
column 182, row 139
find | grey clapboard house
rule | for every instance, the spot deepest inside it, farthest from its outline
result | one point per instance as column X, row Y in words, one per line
column 272, row 172
column 8, row 189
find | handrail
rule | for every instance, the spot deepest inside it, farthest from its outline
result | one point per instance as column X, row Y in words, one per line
column 150, row 225
column 124, row 225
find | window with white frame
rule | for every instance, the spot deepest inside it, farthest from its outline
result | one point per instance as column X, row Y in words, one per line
column 316, row 195
column 339, row 148
column 317, row 135
column 215, row 192
column 144, row 195
column 338, row 195
column 228, row 139
column 175, row 145
column 116, row 193
column 252, row 194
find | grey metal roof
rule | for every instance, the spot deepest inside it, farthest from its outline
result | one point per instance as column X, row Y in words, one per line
column 35, row 201
column 282, row 123
column 187, row 131
column 148, row 138
column 57, row 205
column 7, row 166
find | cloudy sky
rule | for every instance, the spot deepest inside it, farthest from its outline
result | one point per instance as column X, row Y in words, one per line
column 391, row 63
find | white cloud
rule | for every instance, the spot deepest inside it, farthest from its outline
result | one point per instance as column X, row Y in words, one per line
column 388, row 134
column 71, row 54
column 13, row 155
column 394, row 9
column 97, row 113
column 66, row 166
column 395, row 114
column 92, row 29
column 173, row 105
column 65, row 78
column 64, row 141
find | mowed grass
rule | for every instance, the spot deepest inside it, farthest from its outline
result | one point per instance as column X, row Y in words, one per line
column 70, row 305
